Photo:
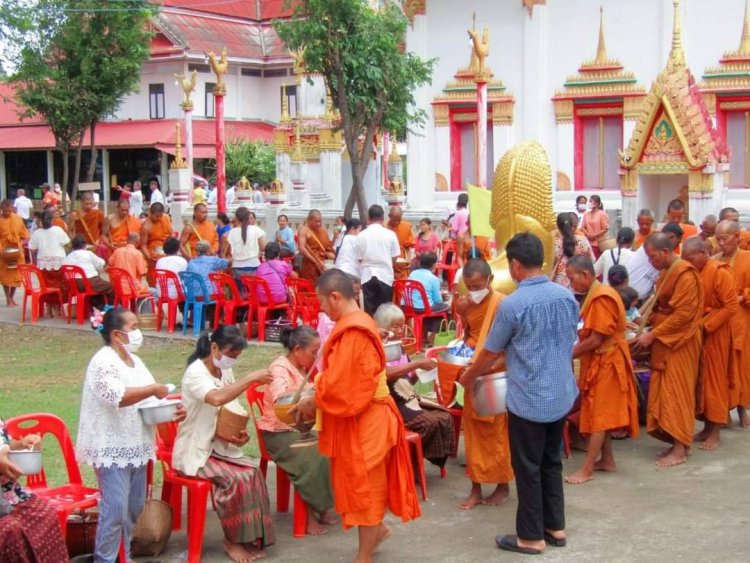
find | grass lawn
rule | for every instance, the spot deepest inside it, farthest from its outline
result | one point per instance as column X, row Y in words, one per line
column 43, row 369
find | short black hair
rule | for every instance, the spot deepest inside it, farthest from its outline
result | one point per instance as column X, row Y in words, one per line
column 171, row 246
column 617, row 275
column 463, row 200
column 626, row 235
column 272, row 250
column 673, row 228
column 336, row 280
column 353, row 223
column 375, row 213
column 526, row 249
column 113, row 319
column 156, row 207
column 427, row 260
column 78, row 242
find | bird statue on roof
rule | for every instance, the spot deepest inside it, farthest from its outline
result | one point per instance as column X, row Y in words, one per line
column 220, row 68
column 481, row 48
column 188, row 87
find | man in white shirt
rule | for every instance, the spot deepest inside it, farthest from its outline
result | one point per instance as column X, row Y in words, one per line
column 212, row 195
column 156, row 195
column 642, row 275
column 23, row 206
column 92, row 266
column 620, row 255
column 346, row 256
column 230, row 195
column 172, row 262
column 377, row 250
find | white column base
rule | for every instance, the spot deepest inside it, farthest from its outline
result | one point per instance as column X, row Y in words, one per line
column 629, row 209
column 182, row 183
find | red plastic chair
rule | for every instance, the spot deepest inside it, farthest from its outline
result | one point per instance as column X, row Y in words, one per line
column 72, row 275
column 256, row 286
column 449, row 248
column 297, row 286
column 299, row 519
column 168, row 282
column 198, row 492
column 65, row 499
column 309, row 307
column 403, row 296
column 126, row 292
column 35, row 288
column 225, row 285
column 417, row 458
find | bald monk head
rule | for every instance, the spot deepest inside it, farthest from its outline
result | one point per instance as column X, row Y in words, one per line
column 729, row 214
column 200, row 213
column 728, row 237
column 87, row 201
column 676, row 211
column 708, row 226
column 580, row 271
column 674, row 233
column 123, row 208
column 395, row 215
column 645, row 222
column 660, row 250
column 477, row 276
column 695, row 251
column 134, row 239
column 314, row 219
column 336, row 292
column 156, row 211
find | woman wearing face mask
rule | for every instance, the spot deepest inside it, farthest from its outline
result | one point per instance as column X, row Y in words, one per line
column 239, row 488
column 581, row 207
column 112, row 436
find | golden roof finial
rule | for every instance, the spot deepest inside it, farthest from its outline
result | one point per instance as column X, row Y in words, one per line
column 297, row 154
column 285, row 118
column 745, row 41
column 178, row 161
column 601, row 48
column 677, row 55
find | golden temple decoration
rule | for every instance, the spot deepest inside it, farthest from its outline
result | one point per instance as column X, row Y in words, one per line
column 178, row 161
column 663, row 142
column 244, row 184
column 298, row 63
column 481, row 50
column 676, row 54
column 297, row 155
column 733, row 72
column 329, row 116
column 188, row 87
column 440, row 114
column 285, row 117
column 529, row 5
column 277, row 186
column 393, row 155
column 502, row 113
column 220, row 68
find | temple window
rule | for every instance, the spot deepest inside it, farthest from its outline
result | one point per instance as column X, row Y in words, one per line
column 602, row 139
column 156, row 101
column 291, row 99
column 738, row 132
column 209, row 97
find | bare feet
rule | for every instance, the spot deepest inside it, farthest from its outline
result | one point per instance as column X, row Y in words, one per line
column 580, row 476
column 499, row 496
column 254, row 552
column 383, row 534
column 672, row 459
column 473, row 499
column 242, row 553
column 605, row 465
column 711, row 442
column 744, row 417
column 314, row 527
column 664, row 453
column 328, row 518
column 701, row 436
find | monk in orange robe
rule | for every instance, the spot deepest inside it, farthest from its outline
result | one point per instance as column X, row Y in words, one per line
column 156, row 229
column 676, row 213
column 13, row 234
column 201, row 229
column 731, row 214
column 119, row 225
column 485, row 437
column 89, row 220
column 607, row 382
column 57, row 221
column 728, row 238
column 675, row 343
column 406, row 240
column 315, row 246
column 719, row 306
column 360, row 428
column 645, row 222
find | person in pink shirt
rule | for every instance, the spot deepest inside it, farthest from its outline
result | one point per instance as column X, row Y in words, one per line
column 595, row 223
column 459, row 220
column 275, row 272
column 427, row 239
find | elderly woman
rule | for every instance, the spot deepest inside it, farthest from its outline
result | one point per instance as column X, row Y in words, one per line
column 48, row 249
column 112, row 436
column 567, row 244
column 239, row 488
column 432, row 422
column 305, row 466
column 29, row 528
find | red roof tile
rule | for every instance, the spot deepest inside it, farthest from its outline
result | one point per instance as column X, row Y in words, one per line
column 244, row 9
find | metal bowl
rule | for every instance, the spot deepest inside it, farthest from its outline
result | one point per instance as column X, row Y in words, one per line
column 157, row 413
column 284, row 404
column 488, row 394
column 393, row 350
column 449, row 358
column 28, row 461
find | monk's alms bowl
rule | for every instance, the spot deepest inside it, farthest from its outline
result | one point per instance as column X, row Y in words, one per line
column 488, row 394
column 285, row 403
column 393, row 350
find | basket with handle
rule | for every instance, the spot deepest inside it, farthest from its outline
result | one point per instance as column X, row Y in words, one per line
column 146, row 321
column 153, row 528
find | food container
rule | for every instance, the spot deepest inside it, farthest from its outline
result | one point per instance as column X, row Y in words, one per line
column 329, row 264
column 10, row 256
column 28, row 461
column 231, row 421
column 427, row 375
column 158, row 412
column 488, row 394
column 393, row 350
column 449, row 358
column 284, row 404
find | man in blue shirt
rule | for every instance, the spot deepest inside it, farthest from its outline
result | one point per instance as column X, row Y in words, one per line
column 204, row 264
column 426, row 276
column 536, row 327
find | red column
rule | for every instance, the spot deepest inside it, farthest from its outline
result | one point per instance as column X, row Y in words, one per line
column 221, row 173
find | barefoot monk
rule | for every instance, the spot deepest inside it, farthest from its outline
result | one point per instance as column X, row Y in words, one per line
column 156, row 229
column 607, row 383
column 675, row 343
column 360, row 428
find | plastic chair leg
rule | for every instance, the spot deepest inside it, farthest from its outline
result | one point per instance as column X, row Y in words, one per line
column 299, row 518
column 443, row 472
column 282, row 490
column 80, row 309
column 171, row 493
column 261, row 324
column 197, row 498
column 185, row 318
column 23, row 310
column 415, row 445
column 171, row 316
column 159, row 317
column 198, row 312
column 264, row 467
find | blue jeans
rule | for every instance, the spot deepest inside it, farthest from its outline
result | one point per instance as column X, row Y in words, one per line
column 123, row 494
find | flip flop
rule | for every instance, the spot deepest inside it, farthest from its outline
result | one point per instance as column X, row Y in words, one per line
column 510, row 543
column 553, row 541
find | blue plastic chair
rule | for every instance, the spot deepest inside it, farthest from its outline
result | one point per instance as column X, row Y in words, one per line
column 198, row 297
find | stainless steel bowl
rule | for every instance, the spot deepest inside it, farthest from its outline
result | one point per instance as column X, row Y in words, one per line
column 449, row 358
column 393, row 350
column 488, row 394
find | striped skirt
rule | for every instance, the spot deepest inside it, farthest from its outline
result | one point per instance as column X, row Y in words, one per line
column 241, row 499
column 435, row 427
column 31, row 534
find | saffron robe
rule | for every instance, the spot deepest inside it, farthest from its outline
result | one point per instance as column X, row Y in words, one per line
column 675, row 353
column 156, row 233
column 640, row 239
column 740, row 264
column 719, row 306
column 607, row 382
column 207, row 232
column 319, row 247
column 13, row 233
column 57, row 222
column 118, row 232
column 93, row 220
column 486, row 437
column 744, row 240
column 362, row 431
column 406, row 241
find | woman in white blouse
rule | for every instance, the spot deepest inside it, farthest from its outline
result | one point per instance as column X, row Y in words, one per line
column 239, row 488
column 245, row 243
column 48, row 249
column 112, row 436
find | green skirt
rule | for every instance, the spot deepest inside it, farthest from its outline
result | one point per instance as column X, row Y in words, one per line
column 307, row 469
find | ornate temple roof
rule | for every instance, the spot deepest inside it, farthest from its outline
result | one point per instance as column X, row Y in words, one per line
column 674, row 123
column 733, row 71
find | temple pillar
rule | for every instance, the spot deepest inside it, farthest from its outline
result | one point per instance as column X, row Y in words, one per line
column 51, row 168
column 535, row 106
column 566, row 147
column 4, row 177
column 105, row 180
column 704, row 194
column 181, row 183
column 629, row 189
column 283, row 168
column 330, row 178
column 420, row 174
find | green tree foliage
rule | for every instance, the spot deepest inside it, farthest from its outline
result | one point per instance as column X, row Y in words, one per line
column 360, row 52
column 76, row 62
column 255, row 160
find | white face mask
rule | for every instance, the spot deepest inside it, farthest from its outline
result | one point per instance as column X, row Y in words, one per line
column 135, row 341
column 479, row 295
column 581, row 207
column 225, row 362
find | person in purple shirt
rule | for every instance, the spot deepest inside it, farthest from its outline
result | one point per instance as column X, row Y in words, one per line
column 275, row 272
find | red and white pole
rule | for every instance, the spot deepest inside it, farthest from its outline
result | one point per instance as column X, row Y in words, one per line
column 481, row 174
column 189, row 148
column 221, row 173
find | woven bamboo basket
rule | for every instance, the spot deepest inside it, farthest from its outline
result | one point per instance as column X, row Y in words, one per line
column 229, row 424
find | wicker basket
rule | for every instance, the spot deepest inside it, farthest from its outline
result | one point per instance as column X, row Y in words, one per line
column 229, row 424
column 152, row 529
column 146, row 321
column 274, row 328
column 81, row 533
column 409, row 341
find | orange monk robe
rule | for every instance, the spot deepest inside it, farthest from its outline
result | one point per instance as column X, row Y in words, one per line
column 159, row 232
column 607, row 382
column 318, row 245
column 744, row 240
column 482, row 245
column 406, row 241
column 118, row 233
column 94, row 221
column 675, row 353
column 640, row 239
column 740, row 264
column 207, row 232
column 688, row 231
column 362, row 431
column 57, row 222
column 720, row 305
column 13, row 234
column 485, row 437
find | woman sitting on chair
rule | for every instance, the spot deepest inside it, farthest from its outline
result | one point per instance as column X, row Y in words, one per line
column 239, row 488
column 306, row 467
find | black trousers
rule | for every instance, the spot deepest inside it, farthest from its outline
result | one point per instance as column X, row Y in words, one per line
column 375, row 293
column 535, row 456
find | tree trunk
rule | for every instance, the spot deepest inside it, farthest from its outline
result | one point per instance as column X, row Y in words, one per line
column 77, row 176
column 357, row 194
column 65, row 152
column 92, row 150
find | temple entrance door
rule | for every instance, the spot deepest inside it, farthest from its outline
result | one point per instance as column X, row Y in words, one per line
column 655, row 191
